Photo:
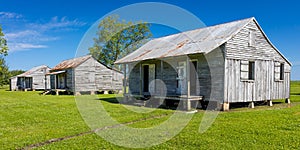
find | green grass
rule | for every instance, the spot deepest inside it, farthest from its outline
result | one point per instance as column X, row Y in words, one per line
column 28, row 118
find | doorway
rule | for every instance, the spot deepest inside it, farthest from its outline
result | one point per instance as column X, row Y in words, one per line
column 193, row 77
column 148, row 76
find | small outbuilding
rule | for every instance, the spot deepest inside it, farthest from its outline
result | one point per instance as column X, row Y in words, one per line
column 33, row 79
column 84, row 75
column 227, row 63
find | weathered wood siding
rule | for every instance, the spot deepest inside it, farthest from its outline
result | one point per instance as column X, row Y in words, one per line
column 213, row 75
column 70, row 79
column 38, row 79
column 84, row 76
column 13, row 84
column 93, row 76
column 264, row 86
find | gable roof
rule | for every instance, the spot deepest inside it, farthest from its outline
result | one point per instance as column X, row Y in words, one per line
column 202, row 40
column 71, row 63
column 31, row 71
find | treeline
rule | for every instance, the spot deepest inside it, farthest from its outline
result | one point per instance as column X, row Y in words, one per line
column 5, row 75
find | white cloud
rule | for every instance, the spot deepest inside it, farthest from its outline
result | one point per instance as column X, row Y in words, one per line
column 9, row 15
column 29, row 36
column 21, row 34
column 55, row 23
column 24, row 46
column 36, row 35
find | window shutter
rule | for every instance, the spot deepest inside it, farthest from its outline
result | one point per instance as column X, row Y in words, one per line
column 244, row 70
column 277, row 71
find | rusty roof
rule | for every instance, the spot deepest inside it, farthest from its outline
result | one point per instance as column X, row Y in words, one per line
column 31, row 71
column 71, row 63
column 201, row 40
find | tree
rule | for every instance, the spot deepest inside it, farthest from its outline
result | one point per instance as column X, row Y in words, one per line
column 3, row 45
column 116, row 39
column 4, row 73
column 16, row 72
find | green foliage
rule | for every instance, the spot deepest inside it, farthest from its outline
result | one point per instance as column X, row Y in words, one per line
column 116, row 39
column 4, row 72
column 3, row 44
column 16, row 72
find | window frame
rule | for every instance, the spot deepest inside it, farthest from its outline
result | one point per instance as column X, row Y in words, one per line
column 281, row 78
column 251, row 70
column 247, row 70
column 279, row 71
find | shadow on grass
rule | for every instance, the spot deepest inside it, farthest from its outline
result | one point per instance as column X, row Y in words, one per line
column 259, row 103
column 295, row 93
column 110, row 100
column 139, row 103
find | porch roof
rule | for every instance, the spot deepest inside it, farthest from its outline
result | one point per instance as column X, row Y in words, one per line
column 56, row 72
column 201, row 40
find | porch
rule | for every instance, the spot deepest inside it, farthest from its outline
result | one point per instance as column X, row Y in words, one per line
column 24, row 83
column 188, row 103
column 163, row 81
column 58, row 82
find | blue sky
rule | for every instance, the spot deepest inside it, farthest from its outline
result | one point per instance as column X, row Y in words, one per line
column 47, row 32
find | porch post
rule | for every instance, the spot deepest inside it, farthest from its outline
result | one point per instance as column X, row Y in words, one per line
column 124, row 81
column 45, row 82
column 188, row 103
column 124, row 85
column 161, row 75
column 161, row 100
column 141, row 84
column 55, row 81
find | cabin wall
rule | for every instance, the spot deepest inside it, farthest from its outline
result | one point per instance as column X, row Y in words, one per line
column 84, row 76
column 38, row 79
column 70, row 79
column 117, row 80
column 38, row 82
column 108, row 79
column 264, row 86
column 93, row 76
column 212, row 75
column 13, row 84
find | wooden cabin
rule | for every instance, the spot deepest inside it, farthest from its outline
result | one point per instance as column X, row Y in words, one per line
column 84, row 75
column 33, row 79
column 222, row 64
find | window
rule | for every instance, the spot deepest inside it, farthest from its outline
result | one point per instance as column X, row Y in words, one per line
column 252, row 38
column 251, row 72
column 279, row 71
column 247, row 70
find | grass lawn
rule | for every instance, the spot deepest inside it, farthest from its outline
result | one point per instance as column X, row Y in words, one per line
column 28, row 118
